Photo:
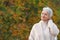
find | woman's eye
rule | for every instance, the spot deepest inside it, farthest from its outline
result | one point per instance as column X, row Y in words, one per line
column 45, row 14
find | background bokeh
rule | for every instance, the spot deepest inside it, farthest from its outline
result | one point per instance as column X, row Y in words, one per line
column 18, row 16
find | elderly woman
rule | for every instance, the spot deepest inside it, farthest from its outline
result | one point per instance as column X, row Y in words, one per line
column 46, row 28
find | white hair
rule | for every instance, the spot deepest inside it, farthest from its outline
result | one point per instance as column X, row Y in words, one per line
column 49, row 10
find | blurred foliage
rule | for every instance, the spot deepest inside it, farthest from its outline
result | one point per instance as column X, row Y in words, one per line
column 18, row 16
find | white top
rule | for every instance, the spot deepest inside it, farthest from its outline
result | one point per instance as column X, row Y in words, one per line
column 44, row 31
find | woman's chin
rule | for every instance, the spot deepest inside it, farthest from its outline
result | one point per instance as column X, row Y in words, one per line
column 44, row 20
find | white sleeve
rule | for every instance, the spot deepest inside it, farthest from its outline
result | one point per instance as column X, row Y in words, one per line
column 53, row 28
column 32, row 33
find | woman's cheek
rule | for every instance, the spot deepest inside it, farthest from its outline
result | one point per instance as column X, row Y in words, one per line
column 41, row 18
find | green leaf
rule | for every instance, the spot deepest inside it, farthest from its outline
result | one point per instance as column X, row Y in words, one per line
column 2, row 9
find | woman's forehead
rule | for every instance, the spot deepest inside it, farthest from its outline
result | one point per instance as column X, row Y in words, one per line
column 45, row 12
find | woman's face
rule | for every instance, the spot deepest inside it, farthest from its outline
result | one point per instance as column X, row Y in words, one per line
column 44, row 16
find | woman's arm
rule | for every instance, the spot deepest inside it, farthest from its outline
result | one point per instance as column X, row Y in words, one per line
column 53, row 28
column 32, row 33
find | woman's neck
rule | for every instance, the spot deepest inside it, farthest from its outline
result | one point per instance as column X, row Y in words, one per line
column 45, row 22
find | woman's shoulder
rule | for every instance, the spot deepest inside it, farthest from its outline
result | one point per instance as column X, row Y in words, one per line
column 36, row 25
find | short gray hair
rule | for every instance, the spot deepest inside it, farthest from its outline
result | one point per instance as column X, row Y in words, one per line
column 49, row 10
